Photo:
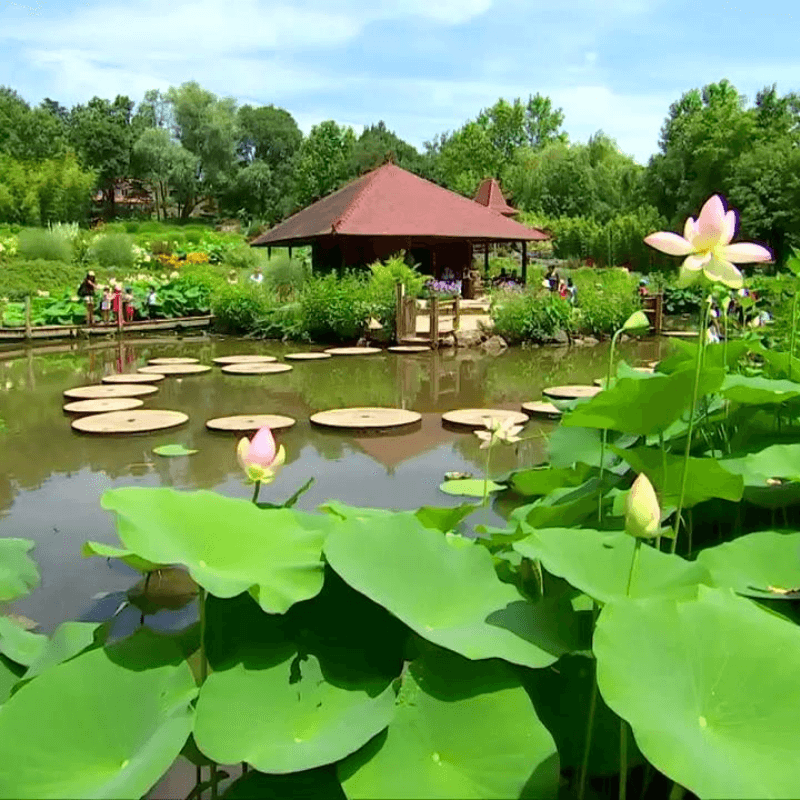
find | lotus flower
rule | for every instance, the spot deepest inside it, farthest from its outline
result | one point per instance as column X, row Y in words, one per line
column 706, row 245
column 642, row 513
column 259, row 458
column 499, row 431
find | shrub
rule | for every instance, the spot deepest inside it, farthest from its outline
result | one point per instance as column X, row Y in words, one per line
column 242, row 308
column 242, row 258
column 284, row 275
column 131, row 227
column 50, row 245
column 606, row 298
column 382, row 292
column 335, row 308
column 19, row 278
column 113, row 250
column 534, row 315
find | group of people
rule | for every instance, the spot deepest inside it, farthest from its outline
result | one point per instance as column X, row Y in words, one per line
column 565, row 288
column 115, row 300
column 737, row 313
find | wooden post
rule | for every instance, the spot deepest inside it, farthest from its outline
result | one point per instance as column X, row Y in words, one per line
column 456, row 313
column 290, row 252
column 524, row 263
column 399, row 311
column 269, row 253
column 486, row 259
column 28, row 326
column 434, row 322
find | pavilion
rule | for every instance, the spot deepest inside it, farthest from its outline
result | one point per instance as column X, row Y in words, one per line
column 389, row 210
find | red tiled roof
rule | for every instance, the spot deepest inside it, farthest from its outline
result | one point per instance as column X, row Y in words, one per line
column 490, row 195
column 389, row 201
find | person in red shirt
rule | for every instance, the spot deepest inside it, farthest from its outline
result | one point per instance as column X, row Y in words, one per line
column 116, row 302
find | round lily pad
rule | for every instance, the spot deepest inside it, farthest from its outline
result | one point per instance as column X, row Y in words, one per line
column 469, row 487
column 542, row 409
column 175, row 369
column 173, row 360
column 353, row 351
column 103, row 406
column 478, row 417
column 311, row 356
column 361, row 418
column 248, row 359
column 244, row 423
column 135, row 421
column 259, row 368
column 409, row 348
column 571, row 392
column 106, row 391
column 133, row 377
column 171, row 450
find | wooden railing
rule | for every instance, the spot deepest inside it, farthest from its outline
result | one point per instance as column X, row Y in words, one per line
column 407, row 311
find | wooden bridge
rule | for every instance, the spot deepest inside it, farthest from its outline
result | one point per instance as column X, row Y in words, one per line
column 443, row 317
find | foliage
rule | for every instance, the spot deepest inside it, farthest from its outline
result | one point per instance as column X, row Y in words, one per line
column 382, row 287
column 49, row 245
column 534, row 315
column 682, row 300
column 242, row 258
column 240, row 308
column 113, row 250
column 19, row 277
column 335, row 308
column 286, row 276
column 606, row 298
column 323, row 161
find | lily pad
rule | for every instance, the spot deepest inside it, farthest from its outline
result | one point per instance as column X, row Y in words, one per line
column 172, row 450
column 436, row 745
column 724, row 673
column 18, row 572
column 444, row 519
column 128, row 557
column 228, row 546
column 68, row 640
column 123, row 715
column 21, row 646
column 408, row 568
column 751, row 564
column 543, row 480
column 469, row 487
column 598, row 563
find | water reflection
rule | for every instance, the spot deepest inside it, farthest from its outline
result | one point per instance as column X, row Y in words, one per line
column 51, row 479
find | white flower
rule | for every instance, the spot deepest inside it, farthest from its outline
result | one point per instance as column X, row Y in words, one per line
column 498, row 430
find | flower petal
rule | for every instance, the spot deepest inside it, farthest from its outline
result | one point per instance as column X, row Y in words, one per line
column 745, row 253
column 696, row 262
column 710, row 224
column 720, row 271
column 669, row 243
column 484, row 436
column 262, row 448
column 280, row 458
column 690, row 229
column 241, row 452
column 729, row 227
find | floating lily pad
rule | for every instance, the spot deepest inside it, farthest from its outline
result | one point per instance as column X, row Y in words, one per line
column 10, row 674
column 18, row 572
column 425, row 567
column 228, row 546
column 171, row 450
column 124, row 714
column 709, row 687
column 21, row 646
column 68, row 640
column 469, row 487
column 437, row 743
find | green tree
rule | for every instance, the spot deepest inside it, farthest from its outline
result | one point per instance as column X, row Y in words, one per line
column 29, row 133
column 377, row 144
column 324, row 161
column 268, row 134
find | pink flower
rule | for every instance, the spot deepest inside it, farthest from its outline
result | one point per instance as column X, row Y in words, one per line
column 259, row 458
column 706, row 245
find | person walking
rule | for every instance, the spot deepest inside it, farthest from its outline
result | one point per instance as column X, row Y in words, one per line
column 127, row 303
column 116, row 304
column 86, row 291
column 152, row 302
column 258, row 276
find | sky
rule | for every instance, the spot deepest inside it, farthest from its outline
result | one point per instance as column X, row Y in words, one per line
column 422, row 66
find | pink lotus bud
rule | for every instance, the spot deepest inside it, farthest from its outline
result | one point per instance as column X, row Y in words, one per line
column 259, row 458
column 643, row 514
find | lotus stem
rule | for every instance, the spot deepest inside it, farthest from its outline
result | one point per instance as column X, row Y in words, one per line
column 486, row 476
column 256, row 490
column 604, row 435
column 623, row 759
column 685, row 471
column 201, row 600
column 589, row 722
column 794, row 333
column 634, row 559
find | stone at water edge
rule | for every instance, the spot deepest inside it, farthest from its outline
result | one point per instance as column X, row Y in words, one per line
column 494, row 345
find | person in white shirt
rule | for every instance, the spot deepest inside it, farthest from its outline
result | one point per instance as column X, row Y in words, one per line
column 257, row 276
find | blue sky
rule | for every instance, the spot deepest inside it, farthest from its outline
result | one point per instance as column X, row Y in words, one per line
column 423, row 66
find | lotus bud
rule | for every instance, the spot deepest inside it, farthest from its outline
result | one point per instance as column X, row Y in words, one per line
column 642, row 512
column 637, row 321
column 259, row 458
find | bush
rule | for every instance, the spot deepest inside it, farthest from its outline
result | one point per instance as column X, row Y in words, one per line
column 242, row 308
column 284, row 275
column 606, row 298
column 335, row 308
column 530, row 315
column 113, row 250
column 382, row 292
column 19, row 278
column 50, row 245
column 242, row 258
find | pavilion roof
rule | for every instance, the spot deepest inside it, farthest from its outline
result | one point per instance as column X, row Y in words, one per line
column 490, row 195
column 390, row 201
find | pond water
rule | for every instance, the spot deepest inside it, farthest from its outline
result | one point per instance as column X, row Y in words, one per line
column 51, row 478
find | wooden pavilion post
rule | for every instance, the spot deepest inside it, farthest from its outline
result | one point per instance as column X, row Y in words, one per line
column 399, row 310
column 486, row 258
column 28, row 326
column 524, row 263
column 434, row 321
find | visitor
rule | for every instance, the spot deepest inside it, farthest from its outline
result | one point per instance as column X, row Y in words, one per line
column 573, row 292
column 116, row 304
column 513, row 277
column 502, row 277
column 712, row 335
column 152, row 302
column 105, row 304
column 257, row 277
column 233, row 277
column 127, row 304
column 86, row 291
column 563, row 291
column 643, row 292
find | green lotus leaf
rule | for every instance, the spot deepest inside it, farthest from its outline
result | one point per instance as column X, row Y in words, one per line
column 443, row 587
column 709, row 687
column 685, row 353
column 18, row 573
column 299, row 691
column 444, row 519
column 21, row 646
column 543, row 480
column 598, row 563
column 123, row 714
column 103, row 550
column 643, row 407
column 436, row 745
column 758, row 391
column 751, row 564
column 68, row 640
column 172, row 450
column 571, row 446
column 469, row 487
column 706, row 478
column 775, row 461
column 10, row 674
column 321, row 784
column 228, row 546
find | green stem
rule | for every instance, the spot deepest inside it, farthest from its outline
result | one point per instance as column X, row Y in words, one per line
column 201, row 600
column 663, row 475
column 604, row 435
column 256, row 490
column 590, row 720
column 486, row 476
column 634, row 559
column 794, row 332
column 623, row 759
column 685, row 471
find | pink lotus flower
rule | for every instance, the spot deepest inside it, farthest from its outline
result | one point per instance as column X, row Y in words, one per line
column 259, row 458
column 706, row 245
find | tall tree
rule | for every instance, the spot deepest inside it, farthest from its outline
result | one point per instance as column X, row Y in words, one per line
column 377, row 144
column 323, row 161
column 268, row 134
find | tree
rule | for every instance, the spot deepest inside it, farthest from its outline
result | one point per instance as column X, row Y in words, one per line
column 377, row 145
column 31, row 134
column 268, row 134
column 323, row 161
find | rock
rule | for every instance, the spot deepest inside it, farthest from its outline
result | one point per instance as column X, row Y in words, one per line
column 469, row 338
column 494, row 345
column 590, row 340
column 561, row 337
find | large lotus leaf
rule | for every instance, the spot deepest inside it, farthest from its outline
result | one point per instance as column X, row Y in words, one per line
column 21, row 646
column 10, row 674
column 321, row 784
column 705, row 478
column 103, row 550
column 443, row 587
column 758, row 391
column 107, row 723
column 561, row 695
column 598, row 563
column 543, row 480
column 570, row 446
column 752, row 563
column 297, row 692
column 781, row 363
column 439, row 745
column 444, row 519
column 644, row 407
column 776, row 461
column 685, row 354
column 709, row 687
column 470, row 487
column 18, row 573
column 68, row 640
column 228, row 546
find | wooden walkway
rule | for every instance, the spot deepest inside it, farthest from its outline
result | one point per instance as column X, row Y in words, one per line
column 75, row 331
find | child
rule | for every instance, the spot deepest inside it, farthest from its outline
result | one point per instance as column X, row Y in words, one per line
column 127, row 300
column 573, row 292
column 116, row 303
column 563, row 291
column 105, row 304
column 152, row 302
